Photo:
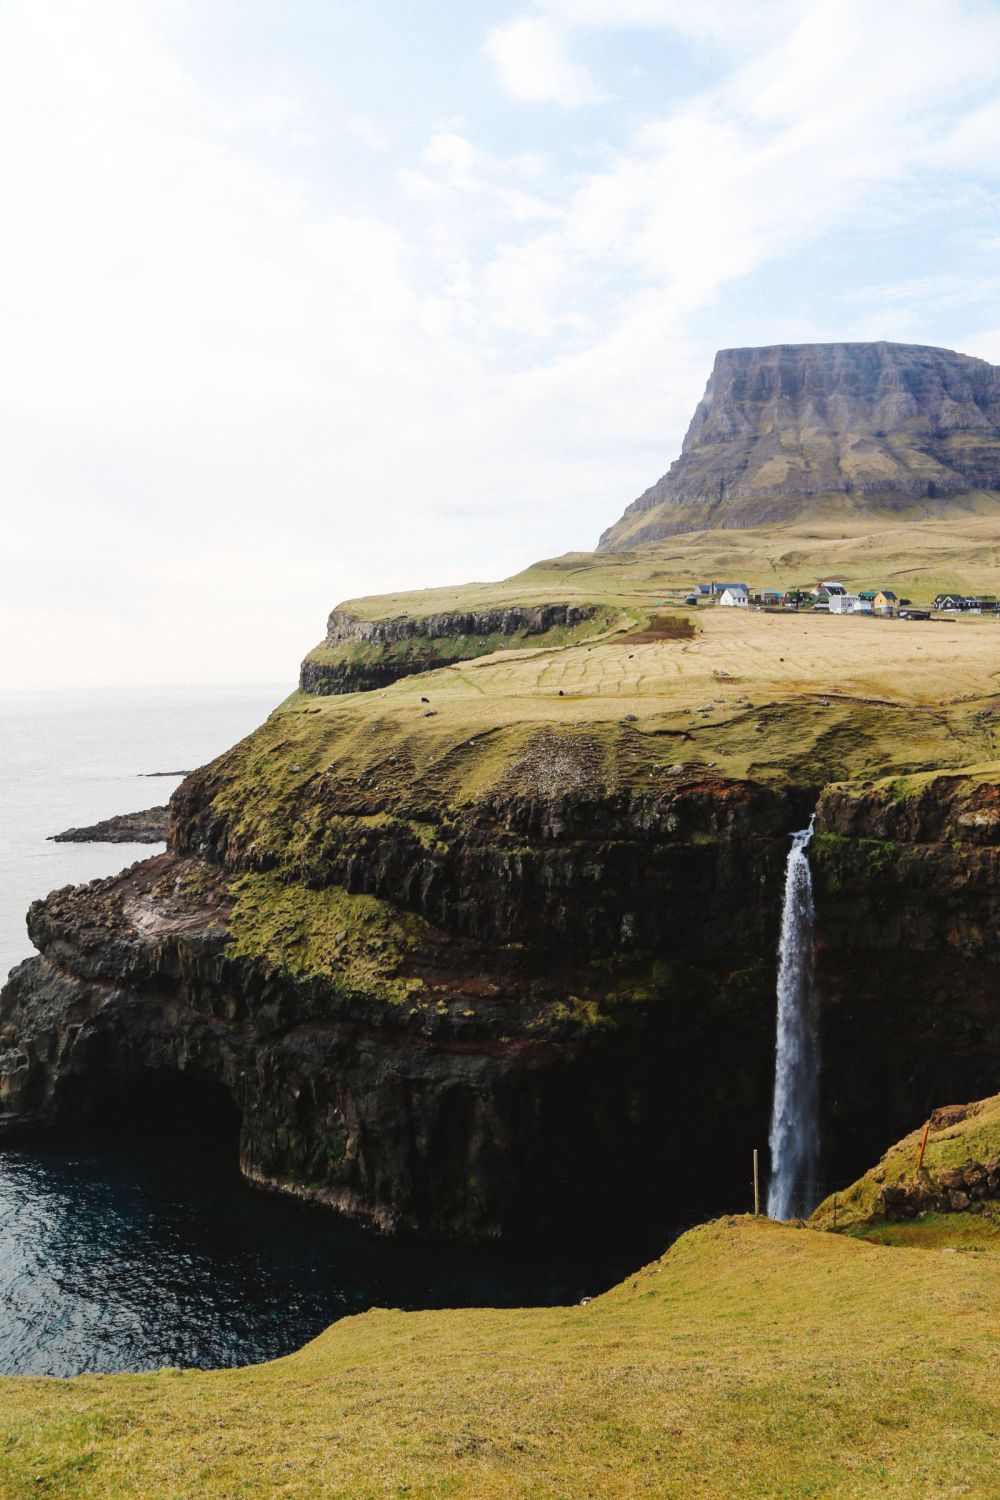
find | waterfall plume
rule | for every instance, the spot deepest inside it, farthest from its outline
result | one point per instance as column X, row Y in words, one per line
column 794, row 1135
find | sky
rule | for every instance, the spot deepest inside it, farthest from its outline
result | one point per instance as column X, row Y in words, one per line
column 309, row 299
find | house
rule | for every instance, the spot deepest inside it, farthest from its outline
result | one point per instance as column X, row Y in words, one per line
column 720, row 588
column 843, row 604
column 966, row 603
column 885, row 602
column 867, row 596
column 832, row 587
column 735, row 596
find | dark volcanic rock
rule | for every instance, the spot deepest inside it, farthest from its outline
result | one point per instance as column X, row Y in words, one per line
column 148, row 827
column 593, row 1017
column 805, row 429
column 474, row 1115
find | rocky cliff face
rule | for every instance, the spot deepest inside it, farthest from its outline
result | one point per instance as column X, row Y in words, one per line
column 906, row 877
column 813, row 429
column 518, row 1014
column 533, row 1063
column 359, row 655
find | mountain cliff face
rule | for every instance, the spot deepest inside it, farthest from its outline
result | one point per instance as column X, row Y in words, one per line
column 799, row 429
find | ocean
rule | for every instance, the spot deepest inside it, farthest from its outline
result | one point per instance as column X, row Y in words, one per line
column 68, row 759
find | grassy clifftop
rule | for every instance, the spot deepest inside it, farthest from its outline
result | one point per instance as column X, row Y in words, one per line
column 917, row 557
column 753, row 1359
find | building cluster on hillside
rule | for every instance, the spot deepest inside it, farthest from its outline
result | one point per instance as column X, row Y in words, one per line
column 830, row 596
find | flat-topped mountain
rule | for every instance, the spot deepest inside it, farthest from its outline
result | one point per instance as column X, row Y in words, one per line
column 823, row 429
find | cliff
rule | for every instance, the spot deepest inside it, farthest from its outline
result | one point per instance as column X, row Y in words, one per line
column 402, row 1071
column 359, row 654
column 490, row 950
column 820, row 430
column 477, row 973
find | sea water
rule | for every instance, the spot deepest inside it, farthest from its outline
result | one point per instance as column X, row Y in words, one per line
column 130, row 1252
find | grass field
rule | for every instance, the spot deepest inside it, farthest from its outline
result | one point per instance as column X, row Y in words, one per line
column 769, row 696
column 753, row 1360
column 918, row 559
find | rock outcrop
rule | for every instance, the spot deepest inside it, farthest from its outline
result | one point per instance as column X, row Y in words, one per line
column 951, row 1190
column 148, row 827
column 359, row 655
column 828, row 429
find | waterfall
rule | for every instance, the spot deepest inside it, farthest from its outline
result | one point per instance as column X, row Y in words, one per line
column 794, row 1137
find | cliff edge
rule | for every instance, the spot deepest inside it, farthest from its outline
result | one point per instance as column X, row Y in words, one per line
column 824, row 429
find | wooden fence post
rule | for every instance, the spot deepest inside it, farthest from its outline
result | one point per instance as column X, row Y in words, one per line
column 923, row 1146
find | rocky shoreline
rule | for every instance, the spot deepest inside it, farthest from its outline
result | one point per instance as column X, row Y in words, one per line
column 151, row 826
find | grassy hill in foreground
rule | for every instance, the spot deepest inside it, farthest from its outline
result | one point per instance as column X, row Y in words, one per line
column 753, row 1359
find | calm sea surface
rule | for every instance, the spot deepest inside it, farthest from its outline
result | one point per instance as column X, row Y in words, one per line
column 128, row 1251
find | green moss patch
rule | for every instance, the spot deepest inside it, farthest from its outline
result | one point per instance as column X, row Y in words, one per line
column 357, row 942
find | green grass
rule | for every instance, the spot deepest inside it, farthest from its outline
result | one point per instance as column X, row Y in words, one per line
column 916, row 557
column 956, row 1134
column 753, row 1360
column 358, row 942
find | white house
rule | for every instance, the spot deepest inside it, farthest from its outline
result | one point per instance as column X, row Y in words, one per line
column 735, row 596
column 844, row 604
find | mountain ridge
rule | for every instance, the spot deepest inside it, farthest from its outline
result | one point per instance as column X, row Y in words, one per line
column 791, row 430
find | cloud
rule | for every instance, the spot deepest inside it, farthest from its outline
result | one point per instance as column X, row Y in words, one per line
column 533, row 65
column 367, row 131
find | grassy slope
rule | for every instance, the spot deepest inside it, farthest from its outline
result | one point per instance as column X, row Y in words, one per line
column 951, row 1141
column 829, row 699
column 917, row 558
column 752, row 1360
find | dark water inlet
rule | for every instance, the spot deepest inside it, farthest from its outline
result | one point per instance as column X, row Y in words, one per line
column 141, row 1246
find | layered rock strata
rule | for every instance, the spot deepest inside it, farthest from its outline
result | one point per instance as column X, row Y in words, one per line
column 554, row 1006
column 798, row 430
column 528, row 1066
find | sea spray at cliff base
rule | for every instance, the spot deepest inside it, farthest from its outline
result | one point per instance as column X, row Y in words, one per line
column 794, row 1137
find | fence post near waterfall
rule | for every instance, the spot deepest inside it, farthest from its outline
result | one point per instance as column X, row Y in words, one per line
column 756, row 1186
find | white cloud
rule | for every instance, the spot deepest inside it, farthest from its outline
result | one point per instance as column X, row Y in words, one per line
column 367, row 131
column 533, row 65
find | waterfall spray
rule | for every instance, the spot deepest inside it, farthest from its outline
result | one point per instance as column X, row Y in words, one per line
column 794, row 1137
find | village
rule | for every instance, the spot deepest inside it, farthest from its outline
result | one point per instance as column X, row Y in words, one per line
column 830, row 596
